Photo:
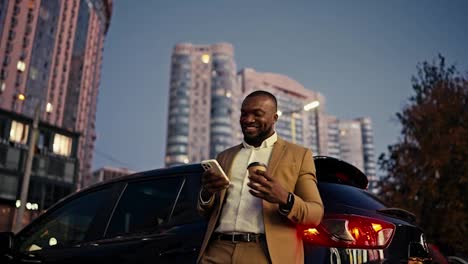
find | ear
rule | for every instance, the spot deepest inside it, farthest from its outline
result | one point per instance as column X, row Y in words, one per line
column 275, row 117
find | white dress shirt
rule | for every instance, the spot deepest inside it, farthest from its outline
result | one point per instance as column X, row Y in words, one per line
column 243, row 212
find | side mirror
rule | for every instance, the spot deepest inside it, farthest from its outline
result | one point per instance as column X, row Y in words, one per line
column 417, row 254
column 6, row 242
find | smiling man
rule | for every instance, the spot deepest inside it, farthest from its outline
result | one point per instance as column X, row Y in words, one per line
column 253, row 219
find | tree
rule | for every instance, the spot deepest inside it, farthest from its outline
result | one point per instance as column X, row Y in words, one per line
column 426, row 171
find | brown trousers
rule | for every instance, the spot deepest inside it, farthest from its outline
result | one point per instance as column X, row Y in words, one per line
column 225, row 252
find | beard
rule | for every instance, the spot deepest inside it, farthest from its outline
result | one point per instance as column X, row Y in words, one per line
column 257, row 139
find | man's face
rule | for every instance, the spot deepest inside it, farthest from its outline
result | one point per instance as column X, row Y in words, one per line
column 258, row 116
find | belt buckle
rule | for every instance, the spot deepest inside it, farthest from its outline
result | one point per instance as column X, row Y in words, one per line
column 233, row 240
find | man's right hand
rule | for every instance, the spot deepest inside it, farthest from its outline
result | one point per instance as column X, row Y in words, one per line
column 212, row 183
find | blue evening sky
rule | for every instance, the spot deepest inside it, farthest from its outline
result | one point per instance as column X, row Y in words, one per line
column 359, row 54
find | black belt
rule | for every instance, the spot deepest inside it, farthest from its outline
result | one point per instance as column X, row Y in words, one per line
column 241, row 237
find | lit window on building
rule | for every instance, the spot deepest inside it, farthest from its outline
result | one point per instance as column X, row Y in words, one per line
column 205, row 58
column 220, row 91
column 62, row 145
column 21, row 66
column 49, row 108
column 19, row 132
column 33, row 73
column 44, row 13
column 2, row 86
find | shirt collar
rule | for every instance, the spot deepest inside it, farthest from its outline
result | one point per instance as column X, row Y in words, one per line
column 269, row 142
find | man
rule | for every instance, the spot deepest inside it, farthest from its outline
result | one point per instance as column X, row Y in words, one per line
column 253, row 219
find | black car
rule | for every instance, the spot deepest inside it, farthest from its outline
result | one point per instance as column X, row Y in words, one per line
column 151, row 217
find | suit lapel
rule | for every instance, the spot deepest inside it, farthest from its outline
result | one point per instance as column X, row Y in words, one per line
column 276, row 155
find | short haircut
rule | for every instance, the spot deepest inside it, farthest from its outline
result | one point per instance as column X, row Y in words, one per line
column 264, row 93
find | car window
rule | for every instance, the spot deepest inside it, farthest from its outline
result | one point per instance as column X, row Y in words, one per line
column 65, row 226
column 186, row 208
column 144, row 206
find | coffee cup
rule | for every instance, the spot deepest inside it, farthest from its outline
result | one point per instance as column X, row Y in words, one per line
column 254, row 166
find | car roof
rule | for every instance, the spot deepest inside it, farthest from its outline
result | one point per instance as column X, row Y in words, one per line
column 180, row 169
column 328, row 169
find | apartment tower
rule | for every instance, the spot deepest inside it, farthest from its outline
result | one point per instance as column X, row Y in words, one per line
column 203, row 102
column 51, row 56
column 307, row 128
column 356, row 141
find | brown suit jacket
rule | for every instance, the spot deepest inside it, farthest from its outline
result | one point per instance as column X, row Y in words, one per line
column 294, row 168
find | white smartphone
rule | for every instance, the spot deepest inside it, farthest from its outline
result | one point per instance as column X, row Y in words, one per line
column 213, row 164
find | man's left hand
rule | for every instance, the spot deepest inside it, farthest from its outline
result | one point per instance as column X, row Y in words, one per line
column 263, row 186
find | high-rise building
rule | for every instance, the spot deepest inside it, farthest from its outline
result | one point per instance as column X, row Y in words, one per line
column 351, row 147
column 333, row 137
column 307, row 128
column 203, row 102
column 356, row 145
column 370, row 165
column 204, row 110
column 51, row 56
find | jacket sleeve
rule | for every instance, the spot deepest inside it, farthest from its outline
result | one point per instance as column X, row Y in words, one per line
column 206, row 209
column 308, row 206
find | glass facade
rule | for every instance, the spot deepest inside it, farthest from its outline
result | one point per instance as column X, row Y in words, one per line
column 222, row 86
column 313, row 127
column 333, row 138
column 77, row 67
column 41, row 55
column 202, row 94
column 179, row 110
column 3, row 9
column 368, row 148
column 290, row 124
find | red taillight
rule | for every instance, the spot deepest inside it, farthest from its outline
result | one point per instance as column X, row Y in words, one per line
column 350, row 231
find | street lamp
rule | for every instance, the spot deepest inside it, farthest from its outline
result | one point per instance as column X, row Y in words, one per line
column 294, row 114
column 28, row 166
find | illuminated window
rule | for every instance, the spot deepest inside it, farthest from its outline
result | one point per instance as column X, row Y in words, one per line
column 62, row 145
column 33, row 73
column 205, row 58
column 2, row 86
column 21, row 66
column 19, row 132
column 49, row 108
column 31, row 4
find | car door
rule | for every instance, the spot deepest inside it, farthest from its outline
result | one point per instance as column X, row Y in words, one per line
column 61, row 235
column 187, row 227
column 149, row 226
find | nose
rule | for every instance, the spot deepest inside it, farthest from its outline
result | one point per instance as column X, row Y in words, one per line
column 247, row 119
